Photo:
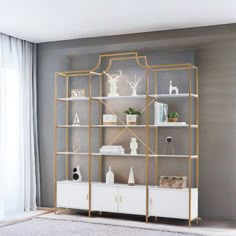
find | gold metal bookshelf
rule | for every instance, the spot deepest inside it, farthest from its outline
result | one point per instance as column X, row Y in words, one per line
column 150, row 98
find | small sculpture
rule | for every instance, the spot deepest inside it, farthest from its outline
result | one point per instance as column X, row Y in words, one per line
column 173, row 89
column 109, row 177
column 134, row 84
column 169, row 146
column 76, row 120
column 113, row 83
column 77, row 175
column 131, row 177
column 133, row 146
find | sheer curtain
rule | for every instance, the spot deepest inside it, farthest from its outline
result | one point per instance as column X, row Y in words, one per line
column 19, row 160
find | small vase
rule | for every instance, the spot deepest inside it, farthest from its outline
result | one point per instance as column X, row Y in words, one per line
column 131, row 119
column 173, row 119
column 109, row 177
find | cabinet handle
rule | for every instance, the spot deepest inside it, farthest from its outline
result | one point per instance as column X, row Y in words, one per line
column 120, row 199
column 87, row 196
column 115, row 199
column 150, row 201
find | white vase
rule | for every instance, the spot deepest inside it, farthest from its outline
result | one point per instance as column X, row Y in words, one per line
column 131, row 177
column 131, row 119
column 109, row 177
column 77, row 175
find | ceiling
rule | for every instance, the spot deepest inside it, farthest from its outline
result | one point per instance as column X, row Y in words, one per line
column 53, row 20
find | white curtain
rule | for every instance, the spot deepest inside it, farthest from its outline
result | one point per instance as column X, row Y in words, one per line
column 18, row 149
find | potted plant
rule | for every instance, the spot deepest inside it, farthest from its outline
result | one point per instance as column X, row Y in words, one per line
column 173, row 116
column 131, row 116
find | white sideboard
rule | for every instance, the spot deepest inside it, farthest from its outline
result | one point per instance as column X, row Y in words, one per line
column 121, row 198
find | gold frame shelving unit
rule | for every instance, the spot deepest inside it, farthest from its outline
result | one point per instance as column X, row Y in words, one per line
column 150, row 98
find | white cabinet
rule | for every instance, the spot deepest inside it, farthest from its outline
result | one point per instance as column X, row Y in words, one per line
column 72, row 195
column 120, row 198
column 132, row 200
column 104, row 198
column 172, row 203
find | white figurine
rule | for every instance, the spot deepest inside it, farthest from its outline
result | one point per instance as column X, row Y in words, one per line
column 113, row 83
column 133, row 146
column 131, row 177
column 173, row 89
column 109, row 177
column 134, row 84
column 76, row 120
column 77, row 175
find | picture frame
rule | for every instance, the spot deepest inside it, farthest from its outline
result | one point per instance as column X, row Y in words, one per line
column 77, row 92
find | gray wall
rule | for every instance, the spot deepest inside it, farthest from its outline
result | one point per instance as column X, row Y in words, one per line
column 214, row 49
column 218, row 129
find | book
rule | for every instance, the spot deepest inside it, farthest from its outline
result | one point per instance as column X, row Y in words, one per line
column 160, row 113
column 172, row 124
column 112, row 149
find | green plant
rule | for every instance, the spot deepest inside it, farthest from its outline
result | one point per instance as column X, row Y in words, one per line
column 173, row 115
column 132, row 111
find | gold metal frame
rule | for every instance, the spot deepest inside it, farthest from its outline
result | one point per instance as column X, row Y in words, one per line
column 143, row 63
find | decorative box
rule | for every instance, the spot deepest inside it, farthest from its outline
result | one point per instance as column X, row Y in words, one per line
column 109, row 119
column 173, row 181
column 77, row 92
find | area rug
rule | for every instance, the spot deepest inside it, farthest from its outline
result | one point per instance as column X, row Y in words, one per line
column 54, row 227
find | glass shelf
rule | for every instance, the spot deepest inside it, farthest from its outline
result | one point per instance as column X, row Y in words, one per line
column 125, row 155
column 181, row 95
column 128, row 126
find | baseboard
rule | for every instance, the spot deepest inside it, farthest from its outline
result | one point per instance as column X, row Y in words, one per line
column 45, row 209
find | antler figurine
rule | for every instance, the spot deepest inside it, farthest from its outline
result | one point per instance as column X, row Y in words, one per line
column 113, row 83
column 134, row 84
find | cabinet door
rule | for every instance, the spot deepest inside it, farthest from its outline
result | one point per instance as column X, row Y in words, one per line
column 171, row 203
column 132, row 200
column 104, row 198
column 72, row 195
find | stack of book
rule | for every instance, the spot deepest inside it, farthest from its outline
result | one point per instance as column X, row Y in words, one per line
column 112, row 150
column 160, row 113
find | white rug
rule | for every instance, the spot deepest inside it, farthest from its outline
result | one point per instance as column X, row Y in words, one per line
column 74, row 224
column 57, row 227
column 202, row 229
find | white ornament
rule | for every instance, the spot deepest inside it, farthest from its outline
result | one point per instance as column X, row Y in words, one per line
column 131, row 177
column 76, row 120
column 134, row 84
column 173, row 89
column 77, row 175
column 109, row 177
column 113, row 83
column 133, row 146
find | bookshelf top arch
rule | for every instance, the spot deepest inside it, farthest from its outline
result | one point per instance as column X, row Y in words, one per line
column 141, row 61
